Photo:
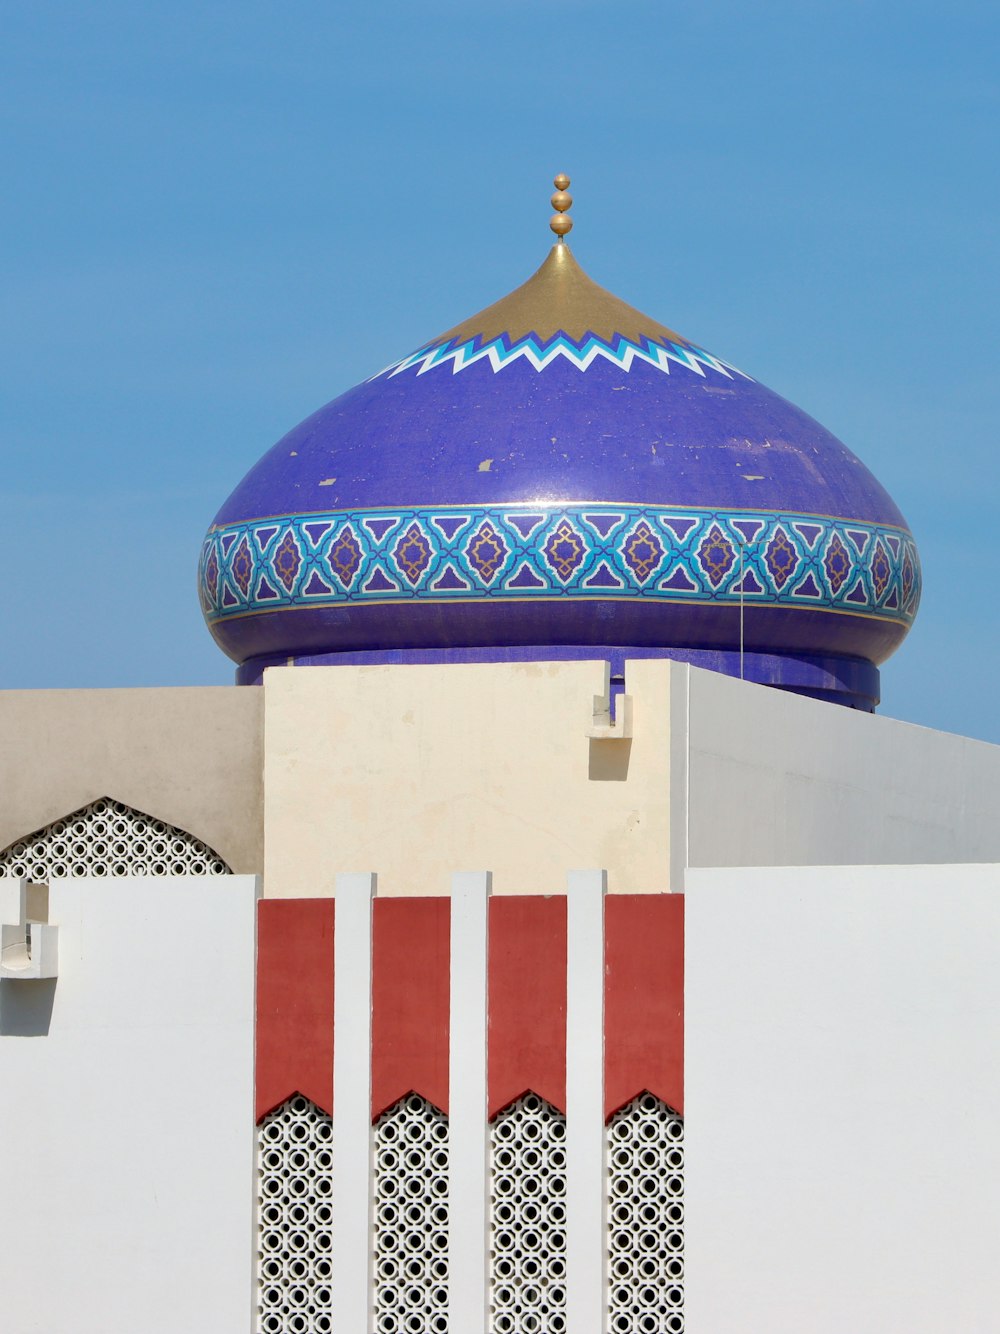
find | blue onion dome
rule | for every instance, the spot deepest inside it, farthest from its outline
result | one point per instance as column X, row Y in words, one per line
column 562, row 476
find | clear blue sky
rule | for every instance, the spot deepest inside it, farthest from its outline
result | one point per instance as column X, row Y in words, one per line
column 218, row 216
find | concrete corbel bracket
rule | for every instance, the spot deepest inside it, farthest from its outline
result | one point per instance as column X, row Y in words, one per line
column 604, row 727
column 29, row 947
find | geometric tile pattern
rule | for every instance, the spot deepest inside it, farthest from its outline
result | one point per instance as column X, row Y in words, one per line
column 584, row 550
column 504, row 351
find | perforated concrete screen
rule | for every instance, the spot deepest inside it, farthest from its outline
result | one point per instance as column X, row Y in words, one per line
column 527, row 1217
column 646, row 1219
column 109, row 838
column 295, row 1215
column 411, row 1218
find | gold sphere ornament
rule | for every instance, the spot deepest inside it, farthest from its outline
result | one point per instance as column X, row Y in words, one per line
column 561, row 201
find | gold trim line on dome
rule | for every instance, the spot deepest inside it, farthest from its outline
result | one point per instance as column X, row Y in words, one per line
column 727, row 512
column 559, row 298
column 421, row 599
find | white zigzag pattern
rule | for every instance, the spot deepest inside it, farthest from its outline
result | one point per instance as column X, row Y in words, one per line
column 622, row 354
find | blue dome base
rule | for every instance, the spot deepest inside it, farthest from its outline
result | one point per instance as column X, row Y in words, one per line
column 851, row 682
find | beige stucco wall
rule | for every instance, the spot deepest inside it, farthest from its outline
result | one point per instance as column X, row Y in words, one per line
column 415, row 772
column 190, row 756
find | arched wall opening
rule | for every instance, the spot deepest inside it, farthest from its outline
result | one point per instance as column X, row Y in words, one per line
column 109, row 838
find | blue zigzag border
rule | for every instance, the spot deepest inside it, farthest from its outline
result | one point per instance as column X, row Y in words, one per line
column 540, row 353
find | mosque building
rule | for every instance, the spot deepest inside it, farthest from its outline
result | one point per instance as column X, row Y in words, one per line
column 370, row 993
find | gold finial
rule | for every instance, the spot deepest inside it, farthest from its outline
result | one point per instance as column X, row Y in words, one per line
column 561, row 201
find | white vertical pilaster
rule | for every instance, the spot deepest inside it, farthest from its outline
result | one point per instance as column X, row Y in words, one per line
column 586, row 1186
column 351, row 1282
column 680, row 769
column 468, row 1187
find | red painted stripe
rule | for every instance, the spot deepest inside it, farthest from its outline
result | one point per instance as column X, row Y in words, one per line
column 410, row 1014
column 294, row 1002
column 527, row 1000
column 643, row 998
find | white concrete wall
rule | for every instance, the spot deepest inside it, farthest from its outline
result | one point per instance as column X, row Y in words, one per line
column 774, row 779
column 126, row 1114
column 843, row 1087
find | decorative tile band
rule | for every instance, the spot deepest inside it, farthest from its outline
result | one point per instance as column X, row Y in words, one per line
column 540, row 353
column 519, row 552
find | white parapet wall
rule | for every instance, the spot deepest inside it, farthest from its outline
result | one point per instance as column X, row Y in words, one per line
column 126, row 1088
column 764, row 778
column 842, row 1086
